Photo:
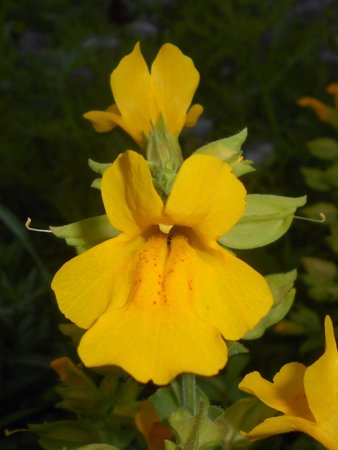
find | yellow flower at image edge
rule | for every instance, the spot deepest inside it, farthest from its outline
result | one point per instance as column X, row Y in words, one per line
column 142, row 97
column 308, row 397
column 158, row 298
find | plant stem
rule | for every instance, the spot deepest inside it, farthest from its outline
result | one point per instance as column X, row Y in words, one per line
column 189, row 393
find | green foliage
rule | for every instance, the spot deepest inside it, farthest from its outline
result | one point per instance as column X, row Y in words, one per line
column 103, row 411
column 266, row 218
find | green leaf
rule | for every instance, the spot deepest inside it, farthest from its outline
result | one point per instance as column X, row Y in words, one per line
column 98, row 167
column 331, row 175
column 322, row 279
column 98, row 447
column 281, row 286
column 70, row 434
column 86, row 233
column 315, row 179
column 265, row 219
column 229, row 150
column 323, row 148
column 166, row 400
column 244, row 415
column 333, row 238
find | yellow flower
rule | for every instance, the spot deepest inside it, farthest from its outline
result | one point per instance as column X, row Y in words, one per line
column 308, row 397
column 322, row 111
column 143, row 97
column 332, row 89
column 149, row 424
column 158, row 298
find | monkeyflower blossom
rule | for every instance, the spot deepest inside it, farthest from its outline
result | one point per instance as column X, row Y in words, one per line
column 143, row 97
column 158, row 299
column 324, row 112
column 307, row 396
column 149, row 425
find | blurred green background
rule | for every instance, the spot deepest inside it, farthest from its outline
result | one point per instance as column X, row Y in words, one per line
column 255, row 59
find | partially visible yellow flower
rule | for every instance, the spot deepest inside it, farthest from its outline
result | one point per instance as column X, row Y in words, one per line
column 308, row 397
column 322, row 111
column 333, row 90
column 158, row 298
column 148, row 423
column 143, row 97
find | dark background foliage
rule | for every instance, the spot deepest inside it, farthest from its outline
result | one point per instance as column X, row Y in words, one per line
column 255, row 60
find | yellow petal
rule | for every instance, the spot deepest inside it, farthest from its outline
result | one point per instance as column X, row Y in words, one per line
column 88, row 283
column 279, row 425
column 285, row 424
column 102, row 121
column 332, row 88
column 133, row 93
column 148, row 423
column 285, row 394
column 321, row 110
column 193, row 115
column 157, row 334
column 321, row 383
column 130, row 199
column 175, row 80
column 206, row 196
column 229, row 294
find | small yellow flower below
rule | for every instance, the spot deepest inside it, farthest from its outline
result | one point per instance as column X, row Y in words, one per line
column 157, row 299
column 308, row 397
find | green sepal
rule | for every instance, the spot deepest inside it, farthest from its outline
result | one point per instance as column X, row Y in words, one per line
column 283, row 292
column 323, row 148
column 73, row 331
column 243, row 415
column 229, row 150
column 236, row 348
column 266, row 218
column 96, row 184
column 98, row 167
column 86, row 233
column 201, row 431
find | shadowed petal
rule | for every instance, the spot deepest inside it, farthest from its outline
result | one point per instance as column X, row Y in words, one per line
column 280, row 424
column 206, row 196
column 130, row 199
column 88, row 283
column 175, row 80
